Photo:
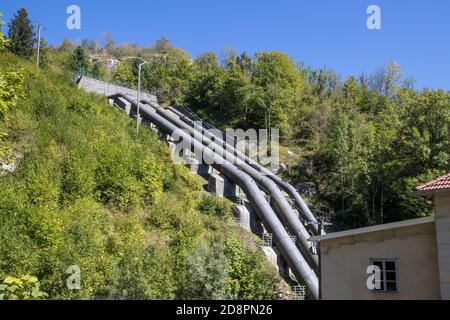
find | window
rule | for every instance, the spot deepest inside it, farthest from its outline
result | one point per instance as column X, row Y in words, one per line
column 388, row 275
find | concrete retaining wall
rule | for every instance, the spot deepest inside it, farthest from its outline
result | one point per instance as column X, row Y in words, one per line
column 107, row 89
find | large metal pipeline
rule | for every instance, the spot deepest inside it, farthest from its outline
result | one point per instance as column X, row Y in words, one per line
column 284, row 209
column 288, row 188
column 288, row 249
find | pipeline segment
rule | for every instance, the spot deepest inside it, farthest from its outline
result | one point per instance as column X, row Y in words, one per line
column 288, row 188
column 286, row 214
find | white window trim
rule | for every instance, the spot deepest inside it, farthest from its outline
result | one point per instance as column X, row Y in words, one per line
column 384, row 260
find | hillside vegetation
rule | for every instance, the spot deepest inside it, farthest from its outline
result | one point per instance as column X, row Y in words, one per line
column 88, row 192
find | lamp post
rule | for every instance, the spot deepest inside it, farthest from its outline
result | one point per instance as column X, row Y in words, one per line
column 138, row 88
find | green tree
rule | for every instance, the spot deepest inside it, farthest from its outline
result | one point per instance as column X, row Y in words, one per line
column 67, row 46
column 235, row 96
column 169, row 72
column 89, row 45
column 279, row 84
column 213, row 206
column 386, row 79
column 206, row 85
column 11, row 90
column 107, row 42
column 21, row 34
column 248, row 279
column 23, row 288
column 98, row 70
column 207, row 273
column 125, row 74
column 163, row 45
column 79, row 60
column 3, row 42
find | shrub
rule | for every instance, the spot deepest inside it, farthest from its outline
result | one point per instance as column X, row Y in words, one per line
column 207, row 273
column 80, row 193
column 23, row 288
column 249, row 279
column 213, row 206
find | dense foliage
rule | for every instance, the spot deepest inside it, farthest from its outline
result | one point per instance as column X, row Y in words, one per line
column 88, row 192
column 361, row 144
column 11, row 82
column 21, row 34
column 23, row 288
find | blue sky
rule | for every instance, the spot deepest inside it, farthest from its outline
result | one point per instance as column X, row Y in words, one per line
column 321, row 33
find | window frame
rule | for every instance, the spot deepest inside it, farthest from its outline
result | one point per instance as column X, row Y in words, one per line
column 384, row 275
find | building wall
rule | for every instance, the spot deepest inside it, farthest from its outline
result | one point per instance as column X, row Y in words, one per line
column 442, row 204
column 345, row 261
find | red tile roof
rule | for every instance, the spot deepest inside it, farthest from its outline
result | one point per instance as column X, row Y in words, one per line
column 439, row 184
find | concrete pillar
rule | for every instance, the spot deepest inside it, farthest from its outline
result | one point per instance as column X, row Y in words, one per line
column 172, row 147
column 256, row 226
column 274, row 257
column 166, row 137
column 216, row 185
column 222, row 187
column 196, row 167
column 123, row 104
column 242, row 212
column 271, row 256
column 153, row 127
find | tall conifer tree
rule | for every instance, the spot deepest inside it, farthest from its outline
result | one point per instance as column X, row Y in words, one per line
column 21, row 34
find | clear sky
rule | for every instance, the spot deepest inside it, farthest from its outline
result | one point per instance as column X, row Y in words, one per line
column 415, row 33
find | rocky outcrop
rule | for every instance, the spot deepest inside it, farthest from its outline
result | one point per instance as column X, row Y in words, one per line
column 7, row 168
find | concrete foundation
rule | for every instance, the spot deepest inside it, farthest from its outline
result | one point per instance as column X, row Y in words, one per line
column 242, row 212
column 275, row 259
column 196, row 167
column 172, row 147
column 153, row 127
column 123, row 104
column 256, row 226
column 166, row 137
column 222, row 187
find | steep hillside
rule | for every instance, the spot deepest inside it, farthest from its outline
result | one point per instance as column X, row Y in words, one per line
column 87, row 192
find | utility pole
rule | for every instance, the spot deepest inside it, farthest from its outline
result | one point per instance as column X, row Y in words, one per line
column 40, row 26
